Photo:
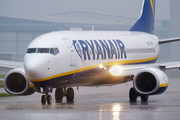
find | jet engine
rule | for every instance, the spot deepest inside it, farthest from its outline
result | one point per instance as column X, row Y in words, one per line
column 150, row 81
column 16, row 83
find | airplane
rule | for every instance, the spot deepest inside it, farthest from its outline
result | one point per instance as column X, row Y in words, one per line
column 65, row 59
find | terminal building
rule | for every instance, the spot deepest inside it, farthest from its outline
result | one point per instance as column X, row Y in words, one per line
column 16, row 34
column 175, row 29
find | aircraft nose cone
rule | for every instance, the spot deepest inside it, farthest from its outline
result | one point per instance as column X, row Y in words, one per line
column 35, row 66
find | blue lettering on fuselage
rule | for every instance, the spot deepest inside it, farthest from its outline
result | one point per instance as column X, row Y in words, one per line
column 91, row 45
column 96, row 49
column 99, row 50
column 85, row 49
column 113, row 50
column 105, row 48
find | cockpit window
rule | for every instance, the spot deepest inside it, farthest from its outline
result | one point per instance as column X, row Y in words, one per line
column 53, row 51
column 56, row 51
column 43, row 50
column 31, row 50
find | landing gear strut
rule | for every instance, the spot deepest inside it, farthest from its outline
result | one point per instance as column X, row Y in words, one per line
column 47, row 98
column 133, row 96
column 62, row 92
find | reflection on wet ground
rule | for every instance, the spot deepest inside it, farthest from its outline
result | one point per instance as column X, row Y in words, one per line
column 95, row 103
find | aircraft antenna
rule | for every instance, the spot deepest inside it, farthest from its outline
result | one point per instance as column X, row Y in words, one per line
column 93, row 28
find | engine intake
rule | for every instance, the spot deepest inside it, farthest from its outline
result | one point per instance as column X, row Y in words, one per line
column 15, row 83
column 148, row 81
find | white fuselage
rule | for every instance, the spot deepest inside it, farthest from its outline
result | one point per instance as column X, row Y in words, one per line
column 83, row 51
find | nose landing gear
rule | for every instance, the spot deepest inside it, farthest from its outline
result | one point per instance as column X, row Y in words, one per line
column 47, row 98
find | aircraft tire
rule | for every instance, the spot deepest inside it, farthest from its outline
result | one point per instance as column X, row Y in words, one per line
column 144, row 98
column 59, row 94
column 132, row 95
column 49, row 99
column 70, row 95
column 43, row 100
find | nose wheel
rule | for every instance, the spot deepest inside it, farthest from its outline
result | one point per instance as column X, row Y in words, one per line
column 46, row 98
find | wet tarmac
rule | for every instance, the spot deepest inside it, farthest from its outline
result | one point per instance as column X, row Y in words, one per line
column 103, row 103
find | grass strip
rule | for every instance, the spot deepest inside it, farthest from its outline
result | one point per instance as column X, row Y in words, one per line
column 1, row 83
column 5, row 95
column 2, row 75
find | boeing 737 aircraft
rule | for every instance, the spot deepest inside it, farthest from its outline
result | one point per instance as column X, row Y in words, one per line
column 65, row 59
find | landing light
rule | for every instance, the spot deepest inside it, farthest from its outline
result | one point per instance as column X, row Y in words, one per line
column 115, row 70
column 101, row 66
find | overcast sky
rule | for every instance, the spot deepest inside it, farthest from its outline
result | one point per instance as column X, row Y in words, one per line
column 127, row 8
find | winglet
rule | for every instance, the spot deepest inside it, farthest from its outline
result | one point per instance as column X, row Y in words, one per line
column 146, row 21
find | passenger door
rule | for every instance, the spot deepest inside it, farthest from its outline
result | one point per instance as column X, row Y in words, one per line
column 72, row 52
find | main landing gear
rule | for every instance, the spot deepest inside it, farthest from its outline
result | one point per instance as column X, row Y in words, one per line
column 133, row 96
column 61, row 92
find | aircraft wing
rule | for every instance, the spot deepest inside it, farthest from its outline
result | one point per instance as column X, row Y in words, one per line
column 169, row 40
column 10, row 64
column 170, row 65
column 128, row 70
column 166, row 65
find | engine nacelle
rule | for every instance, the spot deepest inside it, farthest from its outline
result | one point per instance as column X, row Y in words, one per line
column 16, row 83
column 150, row 81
